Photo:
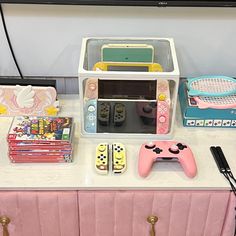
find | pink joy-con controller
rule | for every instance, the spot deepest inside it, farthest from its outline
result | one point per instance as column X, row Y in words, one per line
column 91, row 88
column 166, row 150
column 163, row 106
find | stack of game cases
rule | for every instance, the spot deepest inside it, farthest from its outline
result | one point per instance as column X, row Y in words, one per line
column 40, row 139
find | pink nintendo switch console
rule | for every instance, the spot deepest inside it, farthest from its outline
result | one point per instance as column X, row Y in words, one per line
column 28, row 100
column 157, row 113
column 166, row 150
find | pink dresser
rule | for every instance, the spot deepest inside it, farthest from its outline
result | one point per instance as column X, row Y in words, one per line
column 117, row 213
column 40, row 213
column 180, row 213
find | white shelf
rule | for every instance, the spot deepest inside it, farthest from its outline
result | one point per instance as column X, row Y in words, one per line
column 81, row 174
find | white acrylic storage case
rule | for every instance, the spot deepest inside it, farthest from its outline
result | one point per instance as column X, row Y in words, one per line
column 164, row 54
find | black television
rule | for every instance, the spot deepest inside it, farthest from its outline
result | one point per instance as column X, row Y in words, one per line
column 151, row 3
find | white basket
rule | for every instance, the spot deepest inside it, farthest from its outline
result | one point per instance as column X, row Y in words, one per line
column 164, row 54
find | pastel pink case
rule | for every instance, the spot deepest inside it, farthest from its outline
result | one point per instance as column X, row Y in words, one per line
column 28, row 100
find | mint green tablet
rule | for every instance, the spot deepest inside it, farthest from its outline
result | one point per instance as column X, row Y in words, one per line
column 127, row 54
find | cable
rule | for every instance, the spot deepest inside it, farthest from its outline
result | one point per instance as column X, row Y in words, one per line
column 233, row 188
column 224, row 169
column 9, row 42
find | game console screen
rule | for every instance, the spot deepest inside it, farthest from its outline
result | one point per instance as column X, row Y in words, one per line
column 127, row 89
column 128, row 68
column 119, row 116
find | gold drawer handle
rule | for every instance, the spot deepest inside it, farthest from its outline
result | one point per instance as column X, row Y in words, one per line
column 4, row 221
column 152, row 220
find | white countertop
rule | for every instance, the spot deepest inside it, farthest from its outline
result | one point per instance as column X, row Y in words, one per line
column 81, row 174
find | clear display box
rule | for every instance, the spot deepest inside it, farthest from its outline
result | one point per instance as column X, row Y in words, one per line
column 128, row 87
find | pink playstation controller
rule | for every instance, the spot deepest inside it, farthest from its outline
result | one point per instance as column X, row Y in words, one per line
column 166, row 150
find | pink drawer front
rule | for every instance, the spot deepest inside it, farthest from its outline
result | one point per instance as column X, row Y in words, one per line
column 44, row 213
column 180, row 213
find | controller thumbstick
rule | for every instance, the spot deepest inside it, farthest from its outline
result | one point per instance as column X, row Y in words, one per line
column 92, row 86
column 119, row 156
column 102, row 148
column 147, row 109
column 91, row 108
column 103, row 114
column 150, row 145
column 174, row 148
column 162, row 97
column 119, row 108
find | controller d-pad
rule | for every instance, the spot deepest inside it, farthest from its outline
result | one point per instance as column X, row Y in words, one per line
column 157, row 150
column 181, row 146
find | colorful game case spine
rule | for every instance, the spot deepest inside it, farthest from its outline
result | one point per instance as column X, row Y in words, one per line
column 42, row 148
column 40, row 158
column 25, row 160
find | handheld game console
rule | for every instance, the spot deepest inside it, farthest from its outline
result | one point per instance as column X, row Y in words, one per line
column 28, row 100
column 166, row 150
column 127, row 52
column 127, row 66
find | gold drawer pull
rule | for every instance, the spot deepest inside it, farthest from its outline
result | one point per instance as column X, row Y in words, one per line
column 4, row 221
column 152, row 220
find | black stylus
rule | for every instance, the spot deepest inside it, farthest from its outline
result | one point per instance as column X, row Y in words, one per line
column 223, row 159
column 217, row 159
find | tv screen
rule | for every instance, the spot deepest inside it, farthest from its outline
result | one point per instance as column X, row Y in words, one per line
column 154, row 3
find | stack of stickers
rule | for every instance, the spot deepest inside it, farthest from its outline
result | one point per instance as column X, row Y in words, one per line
column 40, row 139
